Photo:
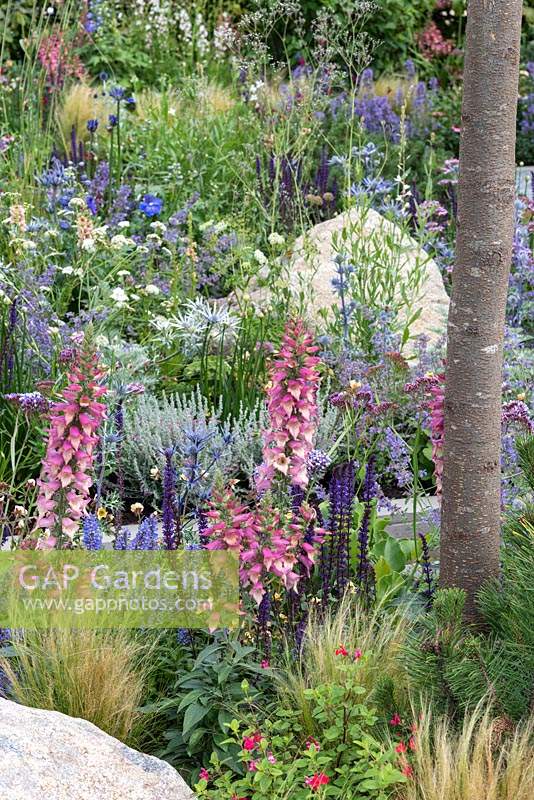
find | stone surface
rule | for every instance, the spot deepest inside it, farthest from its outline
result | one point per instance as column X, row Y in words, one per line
column 524, row 178
column 311, row 269
column 44, row 754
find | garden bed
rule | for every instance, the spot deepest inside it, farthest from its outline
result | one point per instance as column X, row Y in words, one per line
column 228, row 241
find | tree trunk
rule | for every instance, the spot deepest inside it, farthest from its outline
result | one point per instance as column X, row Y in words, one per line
column 471, row 514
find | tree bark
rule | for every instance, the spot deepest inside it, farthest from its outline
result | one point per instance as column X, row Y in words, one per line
column 471, row 514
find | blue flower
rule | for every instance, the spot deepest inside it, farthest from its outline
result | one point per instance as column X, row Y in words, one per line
column 146, row 537
column 409, row 68
column 5, row 635
column 92, row 533
column 183, row 636
column 91, row 204
column 151, row 205
column 112, row 120
column 91, row 24
column 117, row 93
column 92, row 125
column 122, row 540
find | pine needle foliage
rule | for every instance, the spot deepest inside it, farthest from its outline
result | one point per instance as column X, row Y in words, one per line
column 525, row 451
column 456, row 665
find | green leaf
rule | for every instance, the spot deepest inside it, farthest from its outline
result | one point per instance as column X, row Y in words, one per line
column 389, row 585
column 225, row 720
column 382, row 568
column 224, row 673
column 194, row 713
column 394, row 555
column 190, row 697
column 196, row 736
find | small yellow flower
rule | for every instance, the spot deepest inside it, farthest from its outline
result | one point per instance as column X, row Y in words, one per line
column 521, row 396
column 137, row 509
column 101, row 513
column 155, row 473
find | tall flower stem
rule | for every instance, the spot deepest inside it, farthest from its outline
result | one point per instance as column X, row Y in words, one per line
column 292, row 408
column 119, row 428
column 66, row 473
column 169, row 504
column 365, row 574
column 335, row 562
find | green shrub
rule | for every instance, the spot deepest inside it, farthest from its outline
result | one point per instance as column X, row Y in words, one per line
column 204, row 698
column 395, row 25
column 346, row 759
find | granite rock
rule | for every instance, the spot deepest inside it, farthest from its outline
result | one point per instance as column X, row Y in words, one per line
column 45, row 754
column 311, row 268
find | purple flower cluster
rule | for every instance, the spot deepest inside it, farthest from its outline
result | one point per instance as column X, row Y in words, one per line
column 29, row 402
column 317, row 462
column 93, row 17
column 428, row 579
column 97, row 188
column 282, row 185
column 516, row 411
column 169, row 504
column 91, row 533
column 335, row 552
column 146, row 537
column 398, row 454
column 264, row 617
column 365, row 572
column 381, row 113
column 36, row 316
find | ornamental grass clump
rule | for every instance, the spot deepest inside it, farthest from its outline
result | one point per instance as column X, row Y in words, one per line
column 487, row 759
column 97, row 675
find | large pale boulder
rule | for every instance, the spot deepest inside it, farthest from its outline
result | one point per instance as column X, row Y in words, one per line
column 524, row 178
column 376, row 244
column 44, row 754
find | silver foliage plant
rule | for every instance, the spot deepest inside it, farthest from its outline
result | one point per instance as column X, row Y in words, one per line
column 327, row 420
column 154, row 424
